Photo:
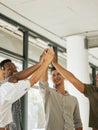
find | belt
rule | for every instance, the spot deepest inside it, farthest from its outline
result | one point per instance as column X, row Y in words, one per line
column 5, row 128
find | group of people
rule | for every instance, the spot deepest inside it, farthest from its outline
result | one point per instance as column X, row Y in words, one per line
column 61, row 108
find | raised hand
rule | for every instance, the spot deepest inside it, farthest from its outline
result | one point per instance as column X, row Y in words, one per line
column 54, row 59
column 49, row 54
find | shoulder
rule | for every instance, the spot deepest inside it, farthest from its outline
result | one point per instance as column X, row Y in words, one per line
column 13, row 79
column 90, row 88
column 72, row 97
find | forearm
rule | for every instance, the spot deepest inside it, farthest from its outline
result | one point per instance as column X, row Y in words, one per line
column 69, row 76
column 44, row 76
column 27, row 72
column 48, row 56
column 38, row 73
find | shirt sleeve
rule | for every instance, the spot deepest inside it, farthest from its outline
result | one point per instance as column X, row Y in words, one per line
column 44, row 89
column 77, row 118
column 88, row 90
column 13, row 91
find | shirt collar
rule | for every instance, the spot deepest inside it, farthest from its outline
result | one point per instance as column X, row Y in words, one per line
column 66, row 92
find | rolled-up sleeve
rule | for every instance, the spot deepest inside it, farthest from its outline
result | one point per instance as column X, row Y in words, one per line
column 44, row 89
column 88, row 90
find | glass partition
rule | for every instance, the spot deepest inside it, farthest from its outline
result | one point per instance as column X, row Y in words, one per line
column 11, row 42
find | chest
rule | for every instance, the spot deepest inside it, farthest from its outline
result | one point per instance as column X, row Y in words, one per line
column 62, row 102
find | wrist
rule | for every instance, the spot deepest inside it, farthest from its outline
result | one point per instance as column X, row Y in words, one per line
column 39, row 63
column 45, row 64
column 53, row 63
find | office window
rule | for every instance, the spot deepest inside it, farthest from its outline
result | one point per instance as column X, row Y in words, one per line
column 36, row 117
column 10, row 41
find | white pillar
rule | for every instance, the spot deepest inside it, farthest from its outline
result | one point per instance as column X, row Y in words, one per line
column 77, row 63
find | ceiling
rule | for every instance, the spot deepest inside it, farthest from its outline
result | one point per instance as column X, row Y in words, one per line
column 56, row 19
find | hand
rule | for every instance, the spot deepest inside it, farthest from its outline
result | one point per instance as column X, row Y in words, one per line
column 54, row 59
column 42, row 57
column 49, row 54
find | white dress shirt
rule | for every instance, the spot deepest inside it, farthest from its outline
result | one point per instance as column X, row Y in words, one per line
column 9, row 93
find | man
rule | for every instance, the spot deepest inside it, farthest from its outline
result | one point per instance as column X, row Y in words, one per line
column 61, row 109
column 10, row 92
column 13, row 75
column 89, row 91
column 9, row 70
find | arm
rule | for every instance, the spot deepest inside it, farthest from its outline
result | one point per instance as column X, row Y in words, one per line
column 37, row 74
column 44, row 76
column 24, row 73
column 43, row 85
column 18, row 89
column 48, row 56
column 69, row 76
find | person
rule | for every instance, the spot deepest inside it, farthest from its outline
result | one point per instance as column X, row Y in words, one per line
column 12, row 75
column 10, row 69
column 61, row 108
column 97, row 80
column 10, row 92
column 90, row 91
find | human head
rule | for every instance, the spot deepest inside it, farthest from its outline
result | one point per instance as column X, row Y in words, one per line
column 8, row 67
column 57, row 78
column 4, row 61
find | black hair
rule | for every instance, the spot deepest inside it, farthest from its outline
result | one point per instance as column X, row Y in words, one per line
column 53, row 68
column 4, row 61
